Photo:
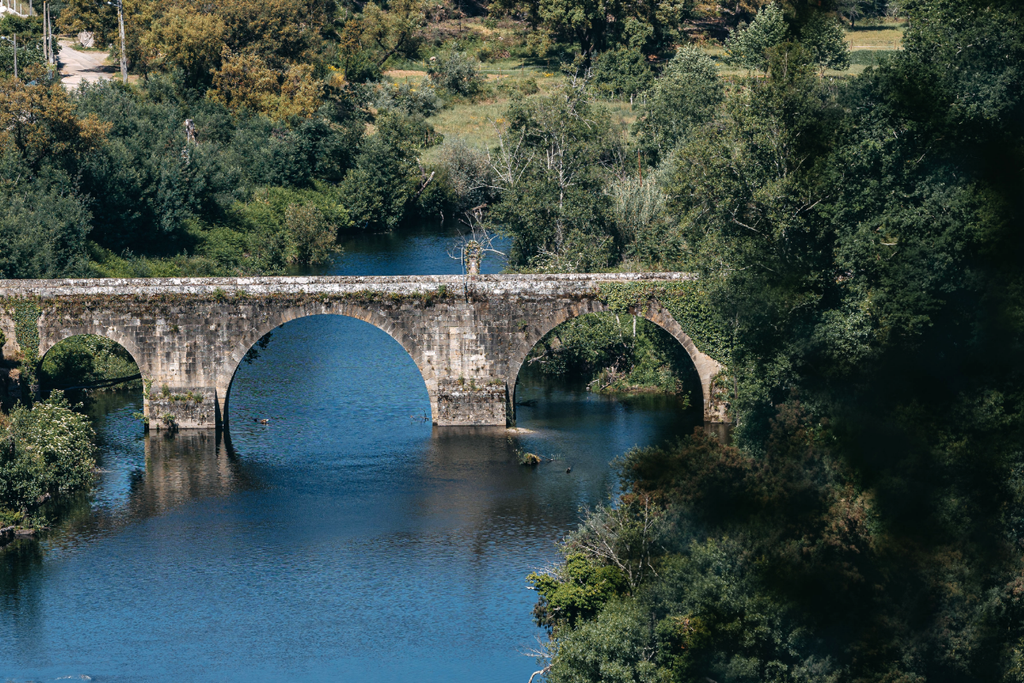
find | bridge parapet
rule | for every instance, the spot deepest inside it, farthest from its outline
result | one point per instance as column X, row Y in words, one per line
column 524, row 284
column 467, row 335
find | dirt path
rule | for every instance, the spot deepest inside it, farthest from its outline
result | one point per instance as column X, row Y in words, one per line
column 77, row 66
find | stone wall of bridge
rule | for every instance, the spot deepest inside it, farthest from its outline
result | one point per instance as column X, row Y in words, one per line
column 468, row 336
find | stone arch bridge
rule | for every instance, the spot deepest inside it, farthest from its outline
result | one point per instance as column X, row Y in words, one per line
column 468, row 336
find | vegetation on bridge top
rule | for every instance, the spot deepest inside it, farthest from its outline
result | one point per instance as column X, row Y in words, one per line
column 690, row 305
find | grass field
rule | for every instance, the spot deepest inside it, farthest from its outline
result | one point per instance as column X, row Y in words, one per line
column 477, row 122
column 888, row 36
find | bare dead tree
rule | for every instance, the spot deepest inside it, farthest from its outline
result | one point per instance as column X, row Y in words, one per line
column 471, row 246
column 624, row 537
column 541, row 653
column 510, row 161
column 539, row 673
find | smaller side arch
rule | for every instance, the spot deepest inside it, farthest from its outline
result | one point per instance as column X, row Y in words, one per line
column 533, row 334
column 706, row 366
column 49, row 340
column 229, row 366
column 8, row 330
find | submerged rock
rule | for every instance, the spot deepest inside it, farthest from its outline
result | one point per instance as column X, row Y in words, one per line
column 529, row 459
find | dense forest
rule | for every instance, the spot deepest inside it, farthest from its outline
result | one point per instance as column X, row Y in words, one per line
column 857, row 229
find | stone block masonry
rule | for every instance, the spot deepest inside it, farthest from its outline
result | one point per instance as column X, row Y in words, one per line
column 468, row 336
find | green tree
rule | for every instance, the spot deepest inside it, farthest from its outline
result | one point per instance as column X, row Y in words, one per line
column 748, row 45
column 824, row 36
column 43, row 228
column 94, row 16
column 281, row 33
column 550, row 168
column 687, row 94
column 246, row 82
column 622, row 71
column 39, row 122
column 599, row 25
column 851, row 9
column 379, row 190
column 391, row 31
column 186, row 39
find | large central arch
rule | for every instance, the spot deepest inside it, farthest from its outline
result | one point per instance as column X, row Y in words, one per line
column 229, row 368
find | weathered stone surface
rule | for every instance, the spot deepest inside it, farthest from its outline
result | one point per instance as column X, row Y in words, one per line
column 468, row 336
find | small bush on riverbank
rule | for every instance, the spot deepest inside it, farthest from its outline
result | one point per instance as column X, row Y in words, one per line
column 45, row 451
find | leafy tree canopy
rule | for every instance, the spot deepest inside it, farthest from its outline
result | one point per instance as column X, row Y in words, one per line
column 748, row 45
column 686, row 95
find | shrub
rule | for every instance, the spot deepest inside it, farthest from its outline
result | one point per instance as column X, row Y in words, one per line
column 406, row 98
column 622, row 72
column 313, row 236
column 280, row 226
column 45, row 451
column 455, row 72
column 468, row 171
column 517, row 86
column 641, row 220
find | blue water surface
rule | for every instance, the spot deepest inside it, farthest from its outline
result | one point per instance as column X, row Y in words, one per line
column 347, row 539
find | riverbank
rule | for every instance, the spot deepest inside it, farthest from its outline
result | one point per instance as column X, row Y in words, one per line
column 9, row 534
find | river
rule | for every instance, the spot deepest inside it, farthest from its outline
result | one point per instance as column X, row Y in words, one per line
column 347, row 539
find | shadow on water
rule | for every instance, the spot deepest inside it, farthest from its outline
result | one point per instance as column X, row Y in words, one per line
column 142, row 474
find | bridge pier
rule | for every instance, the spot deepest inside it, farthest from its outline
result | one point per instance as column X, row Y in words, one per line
column 463, row 402
column 177, row 407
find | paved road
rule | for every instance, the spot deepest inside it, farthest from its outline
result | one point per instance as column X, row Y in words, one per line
column 77, row 66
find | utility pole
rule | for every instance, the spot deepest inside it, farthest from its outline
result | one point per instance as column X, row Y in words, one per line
column 46, row 37
column 49, row 32
column 120, row 28
column 15, row 55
